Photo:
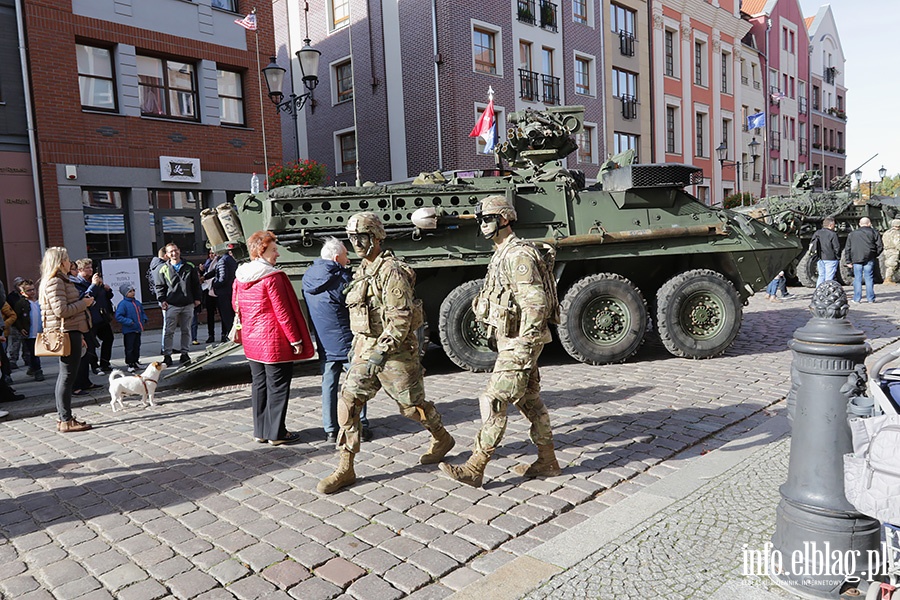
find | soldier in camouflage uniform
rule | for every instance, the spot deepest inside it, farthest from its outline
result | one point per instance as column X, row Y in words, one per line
column 384, row 316
column 516, row 306
column 891, row 241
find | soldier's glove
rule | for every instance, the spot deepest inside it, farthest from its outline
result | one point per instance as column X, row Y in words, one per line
column 375, row 364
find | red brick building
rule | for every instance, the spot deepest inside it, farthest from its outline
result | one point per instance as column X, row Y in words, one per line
column 145, row 113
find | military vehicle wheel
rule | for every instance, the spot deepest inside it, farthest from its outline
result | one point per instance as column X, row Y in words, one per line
column 698, row 314
column 844, row 271
column 808, row 270
column 463, row 338
column 603, row 319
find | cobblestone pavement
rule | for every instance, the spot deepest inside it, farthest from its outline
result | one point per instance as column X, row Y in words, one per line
column 178, row 501
column 670, row 555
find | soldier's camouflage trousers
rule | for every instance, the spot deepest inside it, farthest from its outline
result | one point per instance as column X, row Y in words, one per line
column 521, row 387
column 402, row 380
column 891, row 261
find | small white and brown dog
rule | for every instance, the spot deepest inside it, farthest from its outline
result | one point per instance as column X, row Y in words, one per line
column 143, row 385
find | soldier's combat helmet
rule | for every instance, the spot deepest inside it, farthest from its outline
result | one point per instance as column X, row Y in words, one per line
column 366, row 222
column 496, row 205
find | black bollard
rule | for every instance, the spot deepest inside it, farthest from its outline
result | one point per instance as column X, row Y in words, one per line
column 821, row 543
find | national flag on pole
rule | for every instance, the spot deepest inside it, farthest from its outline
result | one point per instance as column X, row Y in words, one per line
column 757, row 121
column 486, row 128
column 248, row 22
column 777, row 96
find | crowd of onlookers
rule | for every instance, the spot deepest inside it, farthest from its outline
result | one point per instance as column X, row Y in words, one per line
column 71, row 296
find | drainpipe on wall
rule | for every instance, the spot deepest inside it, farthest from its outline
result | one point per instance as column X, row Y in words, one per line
column 437, row 85
column 29, row 119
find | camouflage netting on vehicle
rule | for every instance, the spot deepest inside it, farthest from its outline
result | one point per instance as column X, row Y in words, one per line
column 790, row 214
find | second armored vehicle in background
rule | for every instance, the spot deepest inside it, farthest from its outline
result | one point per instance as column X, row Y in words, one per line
column 637, row 237
column 802, row 212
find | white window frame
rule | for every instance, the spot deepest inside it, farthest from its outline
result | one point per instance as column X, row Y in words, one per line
column 338, row 156
column 676, row 50
column 591, row 73
column 498, row 45
column 592, row 127
column 332, row 69
column 589, row 16
column 329, row 7
column 704, row 61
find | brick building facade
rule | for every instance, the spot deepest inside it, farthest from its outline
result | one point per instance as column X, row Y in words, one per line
column 145, row 113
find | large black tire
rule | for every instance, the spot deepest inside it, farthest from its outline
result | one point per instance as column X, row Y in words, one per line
column 464, row 340
column 808, row 270
column 603, row 319
column 698, row 314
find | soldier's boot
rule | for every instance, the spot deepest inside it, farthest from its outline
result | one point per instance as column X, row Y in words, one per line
column 342, row 476
column 441, row 443
column 471, row 473
column 545, row 466
column 889, row 277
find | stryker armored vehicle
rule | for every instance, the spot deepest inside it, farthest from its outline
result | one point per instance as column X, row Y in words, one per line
column 802, row 212
column 637, row 236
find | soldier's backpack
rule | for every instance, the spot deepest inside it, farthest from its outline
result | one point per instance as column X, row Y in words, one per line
column 546, row 264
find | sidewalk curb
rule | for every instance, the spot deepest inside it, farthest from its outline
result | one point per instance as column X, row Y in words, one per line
column 527, row 572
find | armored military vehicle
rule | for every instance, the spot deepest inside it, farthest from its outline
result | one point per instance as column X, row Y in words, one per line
column 636, row 236
column 801, row 214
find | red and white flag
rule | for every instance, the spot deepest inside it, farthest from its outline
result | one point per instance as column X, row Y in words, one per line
column 486, row 128
column 248, row 22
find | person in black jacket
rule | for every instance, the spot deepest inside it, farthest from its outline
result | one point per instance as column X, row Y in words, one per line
column 222, row 285
column 863, row 247
column 828, row 250
column 178, row 292
column 323, row 290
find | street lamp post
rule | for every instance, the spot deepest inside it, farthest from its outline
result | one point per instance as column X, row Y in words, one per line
column 858, row 174
column 722, row 154
column 309, row 67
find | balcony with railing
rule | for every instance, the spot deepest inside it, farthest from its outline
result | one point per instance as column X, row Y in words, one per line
column 829, row 75
column 550, row 85
column 803, row 146
column 745, row 80
column 526, row 12
column 528, row 86
column 756, row 85
column 774, row 140
column 626, row 43
column 629, row 107
column 775, row 178
column 548, row 14
column 756, row 177
column 802, row 106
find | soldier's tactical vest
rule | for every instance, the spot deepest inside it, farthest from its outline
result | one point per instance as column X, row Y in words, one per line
column 495, row 305
column 364, row 301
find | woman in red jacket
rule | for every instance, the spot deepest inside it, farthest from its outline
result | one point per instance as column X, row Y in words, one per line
column 273, row 333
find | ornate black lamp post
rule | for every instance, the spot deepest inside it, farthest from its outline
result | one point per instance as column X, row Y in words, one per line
column 309, row 66
column 722, row 154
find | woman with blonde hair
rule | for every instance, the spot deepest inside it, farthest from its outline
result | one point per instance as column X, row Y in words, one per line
column 62, row 308
column 273, row 333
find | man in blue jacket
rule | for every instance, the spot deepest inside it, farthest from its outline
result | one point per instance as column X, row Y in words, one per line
column 323, row 289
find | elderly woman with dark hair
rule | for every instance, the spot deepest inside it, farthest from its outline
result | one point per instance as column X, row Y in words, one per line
column 273, row 333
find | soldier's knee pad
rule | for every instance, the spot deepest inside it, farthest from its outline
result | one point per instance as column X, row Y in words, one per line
column 415, row 413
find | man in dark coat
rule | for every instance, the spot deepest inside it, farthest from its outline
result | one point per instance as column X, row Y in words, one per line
column 222, row 286
column 323, row 290
column 828, row 250
column 863, row 247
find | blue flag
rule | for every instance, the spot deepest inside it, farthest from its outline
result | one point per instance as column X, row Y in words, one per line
column 756, row 121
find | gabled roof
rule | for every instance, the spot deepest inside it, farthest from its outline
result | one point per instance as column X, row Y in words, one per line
column 754, row 7
column 809, row 21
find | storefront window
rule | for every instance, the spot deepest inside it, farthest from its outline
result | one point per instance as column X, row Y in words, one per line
column 104, row 224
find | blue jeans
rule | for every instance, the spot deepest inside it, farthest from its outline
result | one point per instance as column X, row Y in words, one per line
column 331, row 376
column 867, row 270
column 827, row 271
column 779, row 283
